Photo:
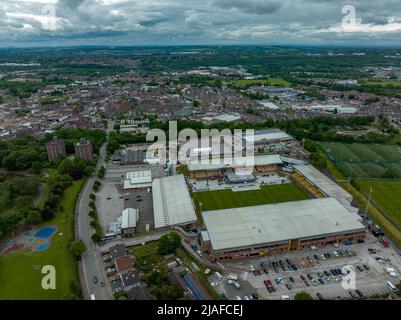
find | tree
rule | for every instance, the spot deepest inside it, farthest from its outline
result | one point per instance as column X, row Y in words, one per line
column 96, row 237
column 47, row 214
column 77, row 248
column 101, row 172
column 36, row 167
column 168, row 243
column 303, row 296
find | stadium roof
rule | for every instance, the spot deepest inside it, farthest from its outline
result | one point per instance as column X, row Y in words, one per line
column 262, row 160
column 268, row 135
column 172, row 203
column 257, row 225
column 324, row 184
column 227, row 118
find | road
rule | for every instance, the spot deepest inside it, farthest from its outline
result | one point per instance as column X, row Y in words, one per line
column 91, row 263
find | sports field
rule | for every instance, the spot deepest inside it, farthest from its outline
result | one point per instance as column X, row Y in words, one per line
column 365, row 160
column 386, row 195
column 224, row 199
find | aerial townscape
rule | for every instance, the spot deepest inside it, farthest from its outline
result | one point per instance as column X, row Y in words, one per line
column 111, row 187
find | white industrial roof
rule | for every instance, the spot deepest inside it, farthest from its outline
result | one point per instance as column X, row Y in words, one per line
column 172, row 203
column 139, row 176
column 138, row 179
column 323, row 183
column 262, row 160
column 257, row 225
column 129, row 218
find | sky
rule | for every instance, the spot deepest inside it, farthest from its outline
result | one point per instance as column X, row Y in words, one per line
column 199, row 22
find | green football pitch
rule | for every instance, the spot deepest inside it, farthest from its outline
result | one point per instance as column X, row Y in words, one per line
column 224, row 199
column 386, row 196
column 359, row 160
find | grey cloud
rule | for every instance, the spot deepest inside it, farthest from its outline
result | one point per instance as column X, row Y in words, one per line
column 250, row 6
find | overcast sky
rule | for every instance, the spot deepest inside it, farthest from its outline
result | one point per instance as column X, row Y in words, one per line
column 194, row 22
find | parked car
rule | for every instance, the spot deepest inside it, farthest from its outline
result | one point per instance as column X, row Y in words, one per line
column 359, row 268
column 359, row 292
column 366, row 267
column 95, row 280
column 302, row 277
column 291, row 279
column 321, row 281
column 319, row 296
column 289, row 287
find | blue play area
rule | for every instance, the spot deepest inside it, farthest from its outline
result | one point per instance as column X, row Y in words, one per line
column 45, row 232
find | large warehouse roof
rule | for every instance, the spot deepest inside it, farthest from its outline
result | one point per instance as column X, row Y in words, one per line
column 263, row 160
column 248, row 226
column 324, row 184
column 172, row 203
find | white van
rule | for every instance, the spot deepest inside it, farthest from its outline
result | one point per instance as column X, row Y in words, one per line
column 232, row 276
column 93, row 297
column 285, row 297
column 218, row 275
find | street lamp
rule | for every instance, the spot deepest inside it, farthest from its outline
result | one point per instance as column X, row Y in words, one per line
column 367, row 205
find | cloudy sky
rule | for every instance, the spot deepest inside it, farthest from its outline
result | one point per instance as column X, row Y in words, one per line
column 188, row 22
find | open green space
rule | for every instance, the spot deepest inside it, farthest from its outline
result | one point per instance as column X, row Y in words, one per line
column 224, row 199
column 365, row 160
column 20, row 273
column 266, row 82
column 386, row 196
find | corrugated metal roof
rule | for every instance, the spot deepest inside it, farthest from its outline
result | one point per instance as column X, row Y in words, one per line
column 172, row 204
column 129, row 218
column 323, row 183
column 258, row 225
column 262, row 160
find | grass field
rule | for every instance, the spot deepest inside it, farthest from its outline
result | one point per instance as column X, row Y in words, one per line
column 364, row 160
column 224, row 199
column 386, row 196
column 19, row 279
column 267, row 82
